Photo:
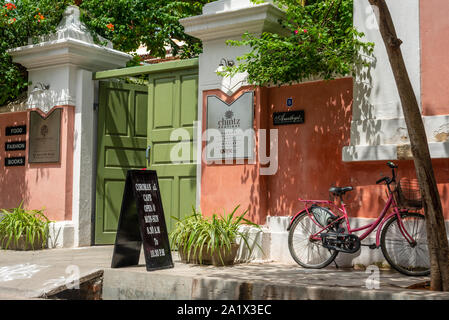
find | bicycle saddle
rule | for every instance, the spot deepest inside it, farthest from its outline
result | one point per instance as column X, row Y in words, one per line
column 338, row 191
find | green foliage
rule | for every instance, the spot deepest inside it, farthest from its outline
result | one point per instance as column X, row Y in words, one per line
column 32, row 225
column 320, row 41
column 127, row 23
column 155, row 24
column 195, row 231
column 20, row 20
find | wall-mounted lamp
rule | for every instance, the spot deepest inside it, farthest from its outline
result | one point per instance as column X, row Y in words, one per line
column 40, row 87
column 226, row 63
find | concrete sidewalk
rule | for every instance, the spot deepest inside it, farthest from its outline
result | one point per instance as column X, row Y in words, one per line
column 35, row 274
column 31, row 274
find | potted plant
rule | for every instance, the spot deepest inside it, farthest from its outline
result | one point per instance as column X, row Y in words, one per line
column 22, row 229
column 209, row 240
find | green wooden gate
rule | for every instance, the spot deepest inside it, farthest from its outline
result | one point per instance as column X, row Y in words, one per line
column 160, row 115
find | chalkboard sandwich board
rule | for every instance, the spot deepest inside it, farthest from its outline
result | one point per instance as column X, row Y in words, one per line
column 142, row 221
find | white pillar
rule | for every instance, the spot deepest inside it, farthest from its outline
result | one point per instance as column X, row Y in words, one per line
column 378, row 129
column 66, row 61
column 226, row 20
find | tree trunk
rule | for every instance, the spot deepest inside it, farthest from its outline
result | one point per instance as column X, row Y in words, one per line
column 436, row 230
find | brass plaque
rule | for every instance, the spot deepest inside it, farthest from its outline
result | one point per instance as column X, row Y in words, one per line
column 44, row 137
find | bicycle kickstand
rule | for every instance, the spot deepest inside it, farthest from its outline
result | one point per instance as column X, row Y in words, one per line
column 336, row 265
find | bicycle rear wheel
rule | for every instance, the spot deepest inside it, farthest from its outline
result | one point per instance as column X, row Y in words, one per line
column 411, row 260
column 308, row 253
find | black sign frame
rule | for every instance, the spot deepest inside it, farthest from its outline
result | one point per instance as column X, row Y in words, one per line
column 15, row 164
column 15, row 143
column 9, row 130
column 139, row 202
column 288, row 117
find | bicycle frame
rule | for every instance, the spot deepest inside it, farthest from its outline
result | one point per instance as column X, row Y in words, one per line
column 379, row 222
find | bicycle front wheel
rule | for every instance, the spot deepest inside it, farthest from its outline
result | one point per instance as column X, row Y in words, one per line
column 306, row 252
column 409, row 259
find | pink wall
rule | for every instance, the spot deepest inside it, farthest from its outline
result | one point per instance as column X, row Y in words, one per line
column 434, row 25
column 309, row 159
column 225, row 186
column 40, row 186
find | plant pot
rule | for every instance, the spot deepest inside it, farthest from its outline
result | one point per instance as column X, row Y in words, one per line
column 227, row 256
column 22, row 245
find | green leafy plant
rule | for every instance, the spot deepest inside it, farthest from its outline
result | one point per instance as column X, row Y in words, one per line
column 127, row 23
column 195, row 234
column 319, row 41
column 29, row 226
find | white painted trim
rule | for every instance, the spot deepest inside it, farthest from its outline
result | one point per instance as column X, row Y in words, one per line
column 87, row 55
column 227, row 24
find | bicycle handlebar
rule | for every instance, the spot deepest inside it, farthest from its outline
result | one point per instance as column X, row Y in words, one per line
column 391, row 165
column 382, row 180
column 387, row 179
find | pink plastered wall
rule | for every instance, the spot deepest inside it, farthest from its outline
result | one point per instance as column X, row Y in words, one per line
column 434, row 29
column 46, row 185
column 225, row 186
column 309, row 158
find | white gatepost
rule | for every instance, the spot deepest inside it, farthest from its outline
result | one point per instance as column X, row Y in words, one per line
column 64, row 63
column 226, row 20
column 221, row 21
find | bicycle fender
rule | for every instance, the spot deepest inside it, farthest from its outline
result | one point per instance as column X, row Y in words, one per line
column 294, row 218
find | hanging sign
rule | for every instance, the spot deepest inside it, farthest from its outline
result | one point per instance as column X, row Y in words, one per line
column 16, row 130
column 44, row 137
column 142, row 221
column 289, row 117
column 230, row 132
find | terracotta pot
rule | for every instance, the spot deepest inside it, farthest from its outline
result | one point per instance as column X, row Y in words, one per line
column 227, row 256
column 21, row 245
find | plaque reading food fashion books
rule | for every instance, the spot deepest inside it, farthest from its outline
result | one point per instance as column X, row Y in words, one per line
column 44, row 137
column 230, row 133
column 142, row 221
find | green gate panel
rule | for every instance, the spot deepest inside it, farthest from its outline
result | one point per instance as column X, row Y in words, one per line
column 122, row 142
column 173, row 101
column 130, row 118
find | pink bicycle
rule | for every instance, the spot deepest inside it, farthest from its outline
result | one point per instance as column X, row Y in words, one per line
column 317, row 234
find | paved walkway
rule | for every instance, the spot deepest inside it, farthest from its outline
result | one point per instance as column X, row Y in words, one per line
column 32, row 274
column 25, row 274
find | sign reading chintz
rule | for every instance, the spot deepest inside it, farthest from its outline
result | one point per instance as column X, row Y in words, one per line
column 44, row 137
column 230, row 133
column 16, row 130
column 14, row 161
column 289, row 117
column 13, row 146
column 142, row 221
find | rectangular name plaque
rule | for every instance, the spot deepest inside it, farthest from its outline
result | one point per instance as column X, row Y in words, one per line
column 288, row 117
column 230, row 132
column 13, row 146
column 14, row 162
column 142, row 221
column 16, row 130
column 44, row 137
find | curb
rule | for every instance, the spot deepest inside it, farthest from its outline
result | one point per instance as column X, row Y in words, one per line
column 136, row 285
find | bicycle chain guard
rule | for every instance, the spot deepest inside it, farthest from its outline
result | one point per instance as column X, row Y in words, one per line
column 342, row 242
